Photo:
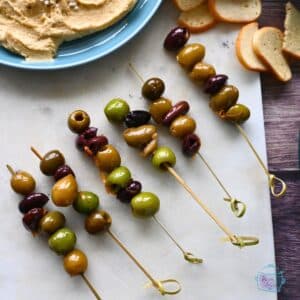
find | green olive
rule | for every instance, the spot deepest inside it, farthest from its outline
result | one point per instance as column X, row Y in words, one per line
column 238, row 113
column 224, row 99
column 22, row 182
column 97, row 221
column 145, row 205
column 78, row 121
column 64, row 192
column 201, row 72
column 86, row 202
column 75, row 262
column 162, row 156
column 51, row 162
column 119, row 178
column 139, row 136
column 182, row 126
column 108, row 158
column 52, row 221
column 116, row 110
column 191, row 54
column 159, row 108
column 62, row 241
column 153, row 88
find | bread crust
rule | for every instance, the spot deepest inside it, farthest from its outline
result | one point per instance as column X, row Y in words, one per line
column 265, row 60
column 212, row 4
column 181, row 8
column 183, row 20
column 238, row 47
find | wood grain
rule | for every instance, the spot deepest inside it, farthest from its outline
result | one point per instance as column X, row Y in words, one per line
column 282, row 122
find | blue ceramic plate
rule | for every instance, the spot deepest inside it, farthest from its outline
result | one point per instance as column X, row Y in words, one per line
column 93, row 46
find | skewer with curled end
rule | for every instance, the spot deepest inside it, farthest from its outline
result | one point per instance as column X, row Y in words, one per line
column 183, row 127
column 37, row 219
column 162, row 158
column 223, row 97
column 65, row 192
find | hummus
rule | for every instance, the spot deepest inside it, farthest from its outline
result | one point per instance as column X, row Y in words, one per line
column 36, row 28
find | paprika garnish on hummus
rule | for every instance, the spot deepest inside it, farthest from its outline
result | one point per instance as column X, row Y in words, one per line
column 36, row 28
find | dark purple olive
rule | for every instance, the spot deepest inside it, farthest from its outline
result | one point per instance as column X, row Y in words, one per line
column 137, row 118
column 81, row 142
column 215, row 83
column 179, row 109
column 153, row 88
column 32, row 219
column 132, row 189
column 176, row 38
column 89, row 133
column 191, row 144
column 97, row 143
column 33, row 200
column 62, row 172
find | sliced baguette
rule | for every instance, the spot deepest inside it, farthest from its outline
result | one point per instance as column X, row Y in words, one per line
column 244, row 49
column 267, row 44
column 198, row 19
column 291, row 44
column 235, row 11
column 186, row 5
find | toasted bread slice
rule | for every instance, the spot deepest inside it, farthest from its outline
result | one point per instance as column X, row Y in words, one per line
column 198, row 19
column 186, row 5
column 267, row 44
column 233, row 11
column 244, row 49
column 291, row 44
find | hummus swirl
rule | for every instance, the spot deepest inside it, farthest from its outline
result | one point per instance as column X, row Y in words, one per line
column 35, row 30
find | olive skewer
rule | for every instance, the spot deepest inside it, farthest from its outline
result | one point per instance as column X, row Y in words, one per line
column 108, row 160
column 53, row 163
column 162, row 158
column 62, row 240
column 223, row 97
column 163, row 112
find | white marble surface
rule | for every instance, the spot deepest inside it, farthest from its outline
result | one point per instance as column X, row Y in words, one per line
column 34, row 109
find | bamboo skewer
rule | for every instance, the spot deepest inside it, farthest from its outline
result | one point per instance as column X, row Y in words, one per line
column 235, row 240
column 83, row 276
column 238, row 207
column 158, row 284
column 272, row 179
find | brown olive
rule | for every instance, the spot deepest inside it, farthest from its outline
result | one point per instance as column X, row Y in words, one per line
column 140, row 136
column 52, row 221
column 51, row 162
column 191, row 54
column 97, row 221
column 159, row 108
column 238, row 113
column 78, row 121
column 22, row 183
column 201, row 72
column 153, row 88
column 180, row 108
column 182, row 126
column 224, row 99
column 108, row 158
column 191, row 144
column 75, row 262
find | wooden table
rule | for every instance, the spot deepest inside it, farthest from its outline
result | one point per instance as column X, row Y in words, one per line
column 282, row 122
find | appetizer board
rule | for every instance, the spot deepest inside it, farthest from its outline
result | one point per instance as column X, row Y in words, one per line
column 34, row 112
